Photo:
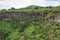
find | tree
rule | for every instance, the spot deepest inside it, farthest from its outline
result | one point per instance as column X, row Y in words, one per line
column 36, row 7
column 3, row 9
column 49, row 6
column 12, row 8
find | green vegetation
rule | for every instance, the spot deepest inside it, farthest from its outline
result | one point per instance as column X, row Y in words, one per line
column 35, row 25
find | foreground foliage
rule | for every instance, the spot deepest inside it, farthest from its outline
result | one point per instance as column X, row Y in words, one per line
column 36, row 27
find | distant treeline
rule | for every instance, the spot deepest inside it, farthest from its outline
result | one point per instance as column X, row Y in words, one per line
column 32, row 7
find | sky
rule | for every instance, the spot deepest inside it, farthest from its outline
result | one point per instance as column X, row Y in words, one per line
column 6, row 4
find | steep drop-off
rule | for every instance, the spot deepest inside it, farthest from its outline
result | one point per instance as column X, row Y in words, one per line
column 29, row 25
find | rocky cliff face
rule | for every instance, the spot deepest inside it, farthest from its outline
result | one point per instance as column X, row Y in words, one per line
column 7, row 16
column 24, row 15
column 27, row 16
column 54, row 18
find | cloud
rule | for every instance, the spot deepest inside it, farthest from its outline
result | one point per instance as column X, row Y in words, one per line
column 52, row 0
column 23, row 3
column 46, row 2
column 53, row 3
column 14, row 3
